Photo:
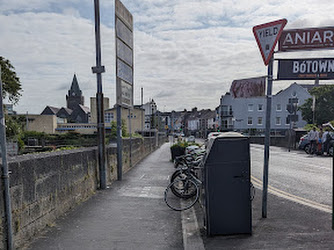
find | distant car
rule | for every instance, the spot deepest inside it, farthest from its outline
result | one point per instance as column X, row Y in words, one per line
column 191, row 138
column 212, row 135
column 304, row 143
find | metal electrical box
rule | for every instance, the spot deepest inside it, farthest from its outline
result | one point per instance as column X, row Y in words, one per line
column 227, row 186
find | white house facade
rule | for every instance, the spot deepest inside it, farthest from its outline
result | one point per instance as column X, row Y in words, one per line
column 250, row 113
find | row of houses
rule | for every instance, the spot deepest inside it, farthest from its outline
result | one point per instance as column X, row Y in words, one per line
column 245, row 114
column 232, row 113
column 194, row 122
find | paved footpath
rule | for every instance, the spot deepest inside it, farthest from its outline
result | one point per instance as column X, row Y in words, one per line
column 131, row 214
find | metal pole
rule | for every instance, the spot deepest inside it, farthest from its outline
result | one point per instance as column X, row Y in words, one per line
column 289, row 141
column 5, row 175
column 130, row 132
column 267, row 139
column 119, row 143
column 98, row 70
column 142, row 115
column 27, row 122
column 333, row 191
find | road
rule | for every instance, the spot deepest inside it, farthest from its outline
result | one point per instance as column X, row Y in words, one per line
column 306, row 179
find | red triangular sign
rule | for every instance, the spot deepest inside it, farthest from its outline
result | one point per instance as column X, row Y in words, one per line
column 267, row 35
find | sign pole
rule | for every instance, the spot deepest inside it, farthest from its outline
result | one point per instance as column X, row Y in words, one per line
column 266, row 36
column 98, row 70
column 267, row 139
column 119, row 143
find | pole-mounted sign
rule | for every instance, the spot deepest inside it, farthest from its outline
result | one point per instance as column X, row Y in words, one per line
column 266, row 36
column 124, row 55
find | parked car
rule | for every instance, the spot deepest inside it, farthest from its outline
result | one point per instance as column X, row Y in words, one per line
column 191, row 138
column 304, row 143
column 212, row 135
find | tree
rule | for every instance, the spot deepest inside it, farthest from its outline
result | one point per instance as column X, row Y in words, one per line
column 324, row 105
column 14, row 126
column 11, row 83
column 113, row 129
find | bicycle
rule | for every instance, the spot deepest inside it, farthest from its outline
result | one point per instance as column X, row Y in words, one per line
column 184, row 190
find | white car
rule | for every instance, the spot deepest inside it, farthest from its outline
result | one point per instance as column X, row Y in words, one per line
column 214, row 134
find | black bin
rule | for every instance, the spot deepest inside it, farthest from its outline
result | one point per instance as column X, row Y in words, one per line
column 227, row 186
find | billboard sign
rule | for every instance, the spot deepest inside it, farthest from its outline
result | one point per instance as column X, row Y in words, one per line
column 266, row 36
column 306, row 39
column 246, row 88
column 305, row 69
column 124, row 55
column 124, row 93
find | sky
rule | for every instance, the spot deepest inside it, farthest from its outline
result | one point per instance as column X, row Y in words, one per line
column 186, row 53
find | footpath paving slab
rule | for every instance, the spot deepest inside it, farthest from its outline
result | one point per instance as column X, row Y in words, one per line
column 131, row 214
column 288, row 225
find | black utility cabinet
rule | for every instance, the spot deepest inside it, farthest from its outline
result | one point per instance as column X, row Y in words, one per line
column 227, row 186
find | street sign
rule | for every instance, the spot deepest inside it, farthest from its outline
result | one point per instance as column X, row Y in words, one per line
column 124, row 55
column 306, row 39
column 305, row 69
column 266, row 36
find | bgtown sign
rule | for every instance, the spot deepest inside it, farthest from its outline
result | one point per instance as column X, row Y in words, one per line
column 306, row 39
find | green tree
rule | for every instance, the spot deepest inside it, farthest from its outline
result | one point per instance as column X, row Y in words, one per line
column 113, row 132
column 324, row 105
column 11, row 83
column 124, row 132
column 113, row 129
column 14, row 126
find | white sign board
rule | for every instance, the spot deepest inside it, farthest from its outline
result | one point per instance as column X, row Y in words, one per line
column 124, row 55
column 266, row 36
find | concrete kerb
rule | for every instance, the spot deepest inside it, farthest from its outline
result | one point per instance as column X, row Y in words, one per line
column 192, row 239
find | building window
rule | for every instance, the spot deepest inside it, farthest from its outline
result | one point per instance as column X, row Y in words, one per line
column 259, row 121
column 108, row 117
column 250, row 107
column 278, row 120
column 260, row 107
column 278, row 107
column 287, row 120
column 250, row 121
column 224, row 123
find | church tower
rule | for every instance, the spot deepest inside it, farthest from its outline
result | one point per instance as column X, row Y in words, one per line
column 74, row 97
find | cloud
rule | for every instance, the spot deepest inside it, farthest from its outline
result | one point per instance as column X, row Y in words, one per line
column 187, row 53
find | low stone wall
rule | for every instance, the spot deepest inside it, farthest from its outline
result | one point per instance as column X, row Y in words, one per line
column 45, row 186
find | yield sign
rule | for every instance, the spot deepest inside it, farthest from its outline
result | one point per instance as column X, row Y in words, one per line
column 266, row 36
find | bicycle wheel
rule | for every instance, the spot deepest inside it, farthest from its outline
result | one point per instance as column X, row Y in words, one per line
column 177, row 203
column 181, row 188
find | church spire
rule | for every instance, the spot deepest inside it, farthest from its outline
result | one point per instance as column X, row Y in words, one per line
column 75, row 90
column 74, row 96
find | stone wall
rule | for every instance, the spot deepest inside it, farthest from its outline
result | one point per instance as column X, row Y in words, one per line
column 45, row 186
